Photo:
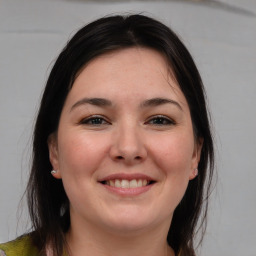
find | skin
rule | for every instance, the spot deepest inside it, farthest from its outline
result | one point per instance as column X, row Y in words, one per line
column 132, row 135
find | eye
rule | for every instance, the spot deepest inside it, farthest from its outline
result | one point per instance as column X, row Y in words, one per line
column 160, row 120
column 94, row 121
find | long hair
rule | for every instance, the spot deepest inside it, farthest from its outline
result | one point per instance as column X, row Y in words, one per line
column 47, row 200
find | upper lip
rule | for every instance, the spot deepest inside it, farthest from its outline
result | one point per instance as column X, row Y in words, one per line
column 126, row 176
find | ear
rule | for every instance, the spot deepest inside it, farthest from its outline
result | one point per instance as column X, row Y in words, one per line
column 53, row 154
column 196, row 157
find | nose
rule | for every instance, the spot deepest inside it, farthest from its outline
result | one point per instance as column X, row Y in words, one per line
column 128, row 146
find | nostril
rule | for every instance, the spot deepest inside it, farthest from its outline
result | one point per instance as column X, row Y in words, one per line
column 121, row 157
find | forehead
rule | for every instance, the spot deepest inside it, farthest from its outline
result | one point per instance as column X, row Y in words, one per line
column 127, row 58
column 133, row 71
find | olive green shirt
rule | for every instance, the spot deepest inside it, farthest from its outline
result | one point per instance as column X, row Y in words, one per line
column 20, row 247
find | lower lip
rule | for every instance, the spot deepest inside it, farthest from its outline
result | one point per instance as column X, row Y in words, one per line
column 128, row 191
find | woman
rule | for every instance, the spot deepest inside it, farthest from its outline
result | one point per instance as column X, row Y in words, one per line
column 122, row 154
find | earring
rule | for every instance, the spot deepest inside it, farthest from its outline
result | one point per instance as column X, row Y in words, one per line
column 195, row 172
column 54, row 172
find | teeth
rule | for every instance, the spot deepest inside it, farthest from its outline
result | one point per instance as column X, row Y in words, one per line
column 144, row 182
column 117, row 183
column 127, row 184
column 133, row 184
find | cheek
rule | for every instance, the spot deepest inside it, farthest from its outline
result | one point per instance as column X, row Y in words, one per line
column 173, row 156
column 81, row 154
column 176, row 152
column 174, row 160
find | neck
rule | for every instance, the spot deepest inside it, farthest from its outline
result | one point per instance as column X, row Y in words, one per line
column 90, row 240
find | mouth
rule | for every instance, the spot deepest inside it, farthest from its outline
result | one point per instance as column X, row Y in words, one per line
column 126, row 184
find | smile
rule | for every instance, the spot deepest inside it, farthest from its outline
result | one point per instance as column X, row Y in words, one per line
column 127, row 183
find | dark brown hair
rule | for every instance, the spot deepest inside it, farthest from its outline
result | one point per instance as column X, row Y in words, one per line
column 47, row 200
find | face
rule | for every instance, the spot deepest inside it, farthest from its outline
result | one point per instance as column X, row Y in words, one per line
column 125, row 148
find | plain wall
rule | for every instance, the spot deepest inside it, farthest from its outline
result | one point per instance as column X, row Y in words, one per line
column 220, row 35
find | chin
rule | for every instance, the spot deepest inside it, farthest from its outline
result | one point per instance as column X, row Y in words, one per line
column 128, row 228
column 129, row 223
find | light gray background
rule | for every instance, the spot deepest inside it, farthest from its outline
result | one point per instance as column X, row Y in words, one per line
column 220, row 35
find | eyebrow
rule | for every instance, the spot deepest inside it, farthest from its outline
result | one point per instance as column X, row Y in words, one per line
column 92, row 101
column 101, row 102
column 160, row 101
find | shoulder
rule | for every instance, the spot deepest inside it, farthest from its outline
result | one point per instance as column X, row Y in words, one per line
column 22, row 246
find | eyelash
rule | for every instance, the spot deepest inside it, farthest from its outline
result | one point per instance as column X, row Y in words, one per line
column 163, row 120
column 158, row 120
column 92, row 119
